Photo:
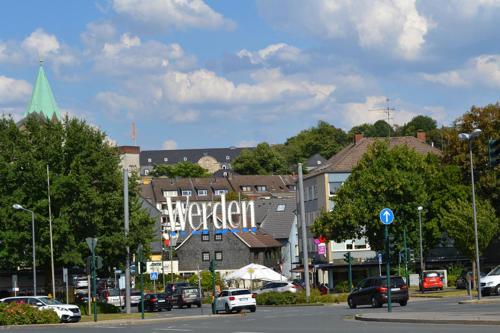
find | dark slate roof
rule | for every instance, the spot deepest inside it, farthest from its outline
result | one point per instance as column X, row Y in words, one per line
column 192, row 155
column 279, row 223
column 258, row 240
column 349, row 157
column 315, row 161
column 155, row 214
column 273, row 183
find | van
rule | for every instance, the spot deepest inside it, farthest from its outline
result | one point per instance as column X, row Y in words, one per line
column 186, row 296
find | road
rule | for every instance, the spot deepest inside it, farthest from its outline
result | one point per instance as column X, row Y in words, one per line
column 336, row 318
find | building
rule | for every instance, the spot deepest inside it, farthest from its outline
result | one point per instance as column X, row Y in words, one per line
column 321, row 185
column 314, row 162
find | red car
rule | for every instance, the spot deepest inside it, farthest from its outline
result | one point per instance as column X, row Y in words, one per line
column 432, row 280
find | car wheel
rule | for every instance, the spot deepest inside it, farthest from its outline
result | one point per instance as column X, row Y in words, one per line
column 375, row 303
column 198, row 305
column 403, row 303
column 189, row 306
column 159, row 309
column 253, row 309
column 351, row 303
column 226, row 308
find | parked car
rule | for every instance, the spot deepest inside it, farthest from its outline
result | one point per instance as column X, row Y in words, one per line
column 279, row 287
column 66, row 312
column 461, row 282
column 135, row 297
column 235, row 300
column 490, row 284
column 156, row 302
column 81, row 297
column 81, row 282
column 373, row 291
column 171, row 287
column 114, row 297
column 186, row 296
column 431, row 281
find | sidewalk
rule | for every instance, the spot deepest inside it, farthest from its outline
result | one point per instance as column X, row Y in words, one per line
column 455, row 318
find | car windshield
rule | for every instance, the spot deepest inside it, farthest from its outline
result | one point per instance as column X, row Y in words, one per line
column 240, row 292
column 396, row 282
column 49, row 301
column 495, row 271
column 431, row 275
column 191, row 291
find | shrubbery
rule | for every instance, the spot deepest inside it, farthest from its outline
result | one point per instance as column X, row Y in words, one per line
column 286, row 298
column 24, row 314
column 101, row 308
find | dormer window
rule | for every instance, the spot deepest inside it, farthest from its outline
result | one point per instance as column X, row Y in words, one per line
column 228, row 158
column 186, row 193
column 202, row 193
column 246, row 188
column 261, row 188
column 165, row 159
column 185, row 158
column 170, row 193
column 150, row 160
column 220, row 192
column 146, row 172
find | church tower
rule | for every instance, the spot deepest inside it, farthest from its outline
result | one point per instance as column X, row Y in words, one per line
column 42, row 100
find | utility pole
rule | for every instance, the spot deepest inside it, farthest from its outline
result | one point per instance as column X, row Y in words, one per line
column 50, row 236
column 305, row 254
column 127, row 259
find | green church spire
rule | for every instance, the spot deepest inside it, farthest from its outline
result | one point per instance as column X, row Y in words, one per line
column 42, row 100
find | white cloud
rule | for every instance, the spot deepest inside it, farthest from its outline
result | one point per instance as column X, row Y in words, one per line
column 280, row 52
column 41, row 43
column 169, row 144
column 116, row 104
column 12, row 90
column 483, row 70
column 166, row 14
column 247, row 143
column 470, row 8
column 394, row 25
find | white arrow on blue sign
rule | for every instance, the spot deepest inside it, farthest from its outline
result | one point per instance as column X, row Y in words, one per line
column 153, row 276
column 386, row 216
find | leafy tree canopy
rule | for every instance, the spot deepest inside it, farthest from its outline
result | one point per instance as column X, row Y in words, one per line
column 182, row 169
column 263, row 160
column 86, row 194
column 398, row 178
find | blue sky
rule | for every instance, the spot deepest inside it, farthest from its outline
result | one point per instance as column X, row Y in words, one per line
column 193, row 73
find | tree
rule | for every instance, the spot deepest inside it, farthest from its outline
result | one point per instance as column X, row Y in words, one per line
column 457, row 219
column 263, row 160
column 398, row 178
column 379, row 129
column 86, row 194
column 418, row 123
column 182, row 169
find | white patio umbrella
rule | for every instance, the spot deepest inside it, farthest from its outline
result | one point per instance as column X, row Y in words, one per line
column 255, row 272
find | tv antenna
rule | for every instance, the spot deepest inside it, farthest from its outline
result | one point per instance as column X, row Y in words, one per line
column 388, row 112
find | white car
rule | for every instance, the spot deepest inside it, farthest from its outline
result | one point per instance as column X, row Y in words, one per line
column 490, row 284
column 235, row 300
column 65, row 312
column 279, row 287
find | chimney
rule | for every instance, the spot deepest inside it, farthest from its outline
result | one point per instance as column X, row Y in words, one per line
column 421, row 136
column 357, row 138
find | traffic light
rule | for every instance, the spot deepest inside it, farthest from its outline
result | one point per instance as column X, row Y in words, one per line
column 494, row 152
column 347, row 257
column 142, row 265
column 411, row 254
column 212, row 266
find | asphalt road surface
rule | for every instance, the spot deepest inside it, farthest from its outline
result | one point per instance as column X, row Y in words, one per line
column 336, row 318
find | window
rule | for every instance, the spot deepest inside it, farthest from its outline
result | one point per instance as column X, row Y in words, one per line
column 150, row 160
column 218, row 237
column 292, row 187
column 185, row 158
column 246, row 188
column 318, row 162
column 348, row 246
column 202, row 193
column 205, row 256
column 205, row 238
column 280, row 208
column 218, row 255
column 186, row 193
column 170, row 193
column 261, row 188
column 146, row 172
column 228, row 157
column 220, row 192
column 165, row 159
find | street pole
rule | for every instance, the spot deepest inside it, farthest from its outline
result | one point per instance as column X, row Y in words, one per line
column 163, row 264
column 34, row 255
column 388, row 269
column 407, row 275
column 94, row 286
column 478, row 276
column 350, row 271
column 421, row 249
column 140, row 259
column 171, row 239
column 199, row 289
column 127, row 259
column 50, row 236
column 305, row 254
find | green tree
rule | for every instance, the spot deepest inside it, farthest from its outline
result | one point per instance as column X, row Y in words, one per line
column 422, row 123
column 263, row 160
column 379, row 129
column 182, row 169
column 86, row 194
column 398, row 178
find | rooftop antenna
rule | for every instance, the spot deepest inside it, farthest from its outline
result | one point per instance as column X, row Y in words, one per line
column 388, row 112
column 133, row 134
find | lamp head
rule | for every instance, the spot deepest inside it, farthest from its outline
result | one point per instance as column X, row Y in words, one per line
column 475, row 133
column 420, row 208
column 463, row 136
column 17, row 206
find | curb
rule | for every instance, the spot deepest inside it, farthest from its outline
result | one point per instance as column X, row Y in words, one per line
column 293, row 305
column 483, row 301
column 428, row 321
column 112, row 322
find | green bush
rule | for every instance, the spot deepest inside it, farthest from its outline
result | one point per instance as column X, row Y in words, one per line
column 342, row 287
column 24, row 314
column 101, row 308
column 287, row 298
column 454, row 272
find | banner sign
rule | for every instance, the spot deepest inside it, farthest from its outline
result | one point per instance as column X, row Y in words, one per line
column 196, row 215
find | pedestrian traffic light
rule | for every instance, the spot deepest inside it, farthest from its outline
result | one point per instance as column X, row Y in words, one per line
column 347, row 257
column 212, row 266
column 494, row 152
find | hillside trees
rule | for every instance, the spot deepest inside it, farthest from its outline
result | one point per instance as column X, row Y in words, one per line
column 86, row 194
column 182, row 169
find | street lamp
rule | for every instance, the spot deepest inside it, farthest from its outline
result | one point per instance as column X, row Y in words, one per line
column 469, row 137
column 19, row 207
column 421, row 248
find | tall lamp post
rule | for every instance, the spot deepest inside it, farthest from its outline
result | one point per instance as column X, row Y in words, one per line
column 19, row 207
column 469, row 137
column 421, row 248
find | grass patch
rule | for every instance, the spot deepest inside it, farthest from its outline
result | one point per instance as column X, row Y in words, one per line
column 116, row 316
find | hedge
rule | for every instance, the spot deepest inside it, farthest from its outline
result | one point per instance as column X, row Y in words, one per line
column 287, row 298
column 101, row 308
column 24, row 314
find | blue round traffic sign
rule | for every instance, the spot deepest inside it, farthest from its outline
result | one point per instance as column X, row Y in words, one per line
column 386, row 216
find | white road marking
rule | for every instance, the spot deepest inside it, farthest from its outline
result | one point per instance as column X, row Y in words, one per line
column 173, row 329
